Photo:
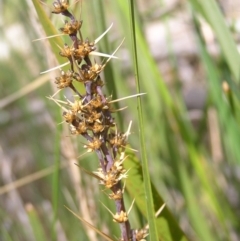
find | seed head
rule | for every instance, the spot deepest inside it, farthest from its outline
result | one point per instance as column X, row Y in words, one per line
column 84, row 49
column 141, row 234
column 116, row 196
column 71, row 28
column 120, row 217
column 60, row 6
column 69, row 116
column 97, row 127
column 95, row 144
column 67, row 51
column 117, row 140
column 65, row 80
column 91, row 72
column 78, row 128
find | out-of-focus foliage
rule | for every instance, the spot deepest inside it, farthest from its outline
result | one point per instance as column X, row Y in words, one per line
column 192, row 142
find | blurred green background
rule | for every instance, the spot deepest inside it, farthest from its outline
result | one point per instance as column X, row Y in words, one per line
column 189, row 67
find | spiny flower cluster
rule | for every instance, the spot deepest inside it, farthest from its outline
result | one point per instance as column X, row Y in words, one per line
column 90, row 115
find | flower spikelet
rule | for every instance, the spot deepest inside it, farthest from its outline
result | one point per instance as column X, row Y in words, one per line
column 71, row 28
column 65, row 80
column 60, row 6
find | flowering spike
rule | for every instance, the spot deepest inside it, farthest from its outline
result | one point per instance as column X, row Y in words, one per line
column 90, row 113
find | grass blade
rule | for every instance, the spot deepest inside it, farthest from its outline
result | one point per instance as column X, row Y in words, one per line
column 54, row 42
column 167, row 227
column 211, row 11
column 35, row 223
column 147, row 182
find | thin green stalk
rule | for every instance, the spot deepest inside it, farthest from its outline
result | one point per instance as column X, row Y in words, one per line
column 147, row 183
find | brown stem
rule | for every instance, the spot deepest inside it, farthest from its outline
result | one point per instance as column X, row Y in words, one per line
column 125, row 226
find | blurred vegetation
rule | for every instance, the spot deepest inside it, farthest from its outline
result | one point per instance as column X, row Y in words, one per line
column 194, row 164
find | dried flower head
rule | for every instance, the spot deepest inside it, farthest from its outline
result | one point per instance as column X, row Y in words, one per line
column 71, row 28
column 65, row 80
column 116, row 196
column 120, row 217
column 84, row 49
column 94, row 145
column 60, row 6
